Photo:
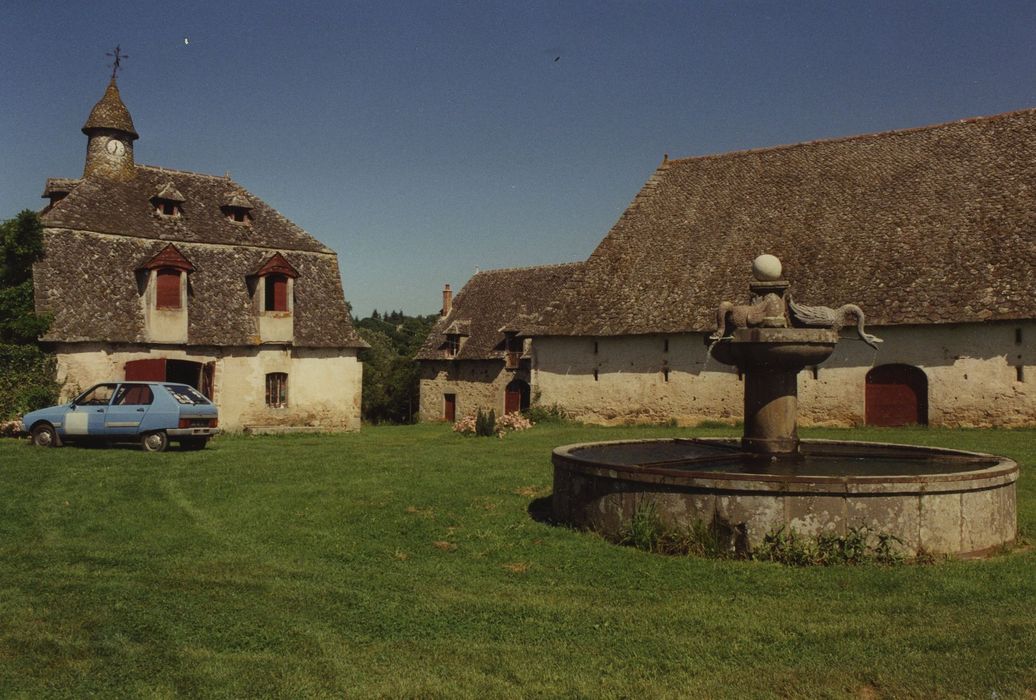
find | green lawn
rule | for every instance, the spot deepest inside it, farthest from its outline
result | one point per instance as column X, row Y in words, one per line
column 403, row 562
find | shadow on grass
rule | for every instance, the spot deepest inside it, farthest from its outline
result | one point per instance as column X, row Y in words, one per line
column 542, row 510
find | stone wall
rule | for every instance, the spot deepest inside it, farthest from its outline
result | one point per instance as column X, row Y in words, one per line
column 324, row 385
column 476, row 384
column 971, row 369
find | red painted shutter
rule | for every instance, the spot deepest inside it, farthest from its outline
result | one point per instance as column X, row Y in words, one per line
column 167, row 289
column 276, row 293
column 450, row 410
column 145, row 370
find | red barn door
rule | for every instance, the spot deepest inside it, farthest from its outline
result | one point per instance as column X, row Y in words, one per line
column 897, row 395
column 145, row 370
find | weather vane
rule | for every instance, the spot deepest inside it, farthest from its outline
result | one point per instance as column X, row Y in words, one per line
column 117, row 63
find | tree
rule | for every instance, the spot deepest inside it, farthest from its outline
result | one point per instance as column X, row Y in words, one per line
column 26, row 371
column 21, row 244
column 390, row 375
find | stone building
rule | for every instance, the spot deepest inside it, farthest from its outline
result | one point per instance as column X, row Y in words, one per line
column 475, row 356
column 161, row 274
column 931, row 230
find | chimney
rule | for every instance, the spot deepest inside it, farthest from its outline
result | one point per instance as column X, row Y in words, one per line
column 447, row 301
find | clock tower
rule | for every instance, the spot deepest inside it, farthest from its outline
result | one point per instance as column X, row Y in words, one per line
column 109, row 149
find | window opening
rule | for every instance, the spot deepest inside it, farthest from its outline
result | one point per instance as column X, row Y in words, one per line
column 452, row 345
column 595, row 347
column 167, row 288
column 1019, row 372
column 276, row 292
column 665, row 374
column 1017, row 336
column 665, row 345
column 596, row 375
column 277, row 390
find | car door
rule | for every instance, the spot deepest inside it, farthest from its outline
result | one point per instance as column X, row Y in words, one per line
column 128, row 408
column 86, row 415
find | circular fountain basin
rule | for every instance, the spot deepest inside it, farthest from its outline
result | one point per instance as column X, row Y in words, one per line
column 933, row 500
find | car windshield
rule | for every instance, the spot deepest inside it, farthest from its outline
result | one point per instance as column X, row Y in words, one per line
column 186, row 394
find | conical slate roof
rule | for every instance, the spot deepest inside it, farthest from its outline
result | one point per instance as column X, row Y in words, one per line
column 110, row 113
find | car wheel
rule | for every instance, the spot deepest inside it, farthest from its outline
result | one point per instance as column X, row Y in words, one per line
column 43, row 435
column 154, row 442
column 193, row 443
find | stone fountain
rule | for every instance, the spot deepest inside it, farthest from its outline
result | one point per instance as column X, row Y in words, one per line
column 930, row 500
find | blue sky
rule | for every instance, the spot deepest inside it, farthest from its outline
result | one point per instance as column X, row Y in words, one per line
column 422, row 140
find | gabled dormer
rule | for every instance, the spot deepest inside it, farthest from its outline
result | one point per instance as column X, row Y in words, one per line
column 164, row 282
column 237, row 208
column 275, row 299
column 456, row 334
column 168, row 202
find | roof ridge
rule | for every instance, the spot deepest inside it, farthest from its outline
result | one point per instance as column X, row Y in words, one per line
column 186, row 172
column 851, row 137
column 527, row 268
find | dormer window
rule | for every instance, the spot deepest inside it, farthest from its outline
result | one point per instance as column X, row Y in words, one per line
column 452, row 346
column 237, row 208
column 455, row 334
column 276, row 285
column 162, row 283
column 168, row 202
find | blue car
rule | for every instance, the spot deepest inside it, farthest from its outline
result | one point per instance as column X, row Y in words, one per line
column 151, row 413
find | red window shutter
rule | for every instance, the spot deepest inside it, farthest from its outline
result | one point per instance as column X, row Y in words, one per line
column 276, row 293
column 167, row 289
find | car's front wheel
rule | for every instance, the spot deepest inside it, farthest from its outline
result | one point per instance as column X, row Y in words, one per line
column 43, row 435
column 154, row 442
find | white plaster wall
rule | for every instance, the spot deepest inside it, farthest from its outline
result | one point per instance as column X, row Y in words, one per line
column 971, row 370
column 324, row 385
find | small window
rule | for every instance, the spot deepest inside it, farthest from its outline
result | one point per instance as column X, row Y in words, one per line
column 665, row 345
column 449, row 407
column 452, row 345
column 133, row 395
column 277, row 390
column 1019, row 373
column 239, row 215
column 276, row 292
column 167, row 208
column 1017, row 336
column 167, row 289
column 665, row 374
column 595, row 347
column 596, row 374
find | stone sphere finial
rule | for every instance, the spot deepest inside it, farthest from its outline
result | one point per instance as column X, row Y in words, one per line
column 766, row 268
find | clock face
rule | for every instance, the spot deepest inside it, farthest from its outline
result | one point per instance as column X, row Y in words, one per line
column 115, row 147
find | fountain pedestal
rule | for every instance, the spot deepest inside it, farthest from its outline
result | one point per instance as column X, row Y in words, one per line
column 770, row 360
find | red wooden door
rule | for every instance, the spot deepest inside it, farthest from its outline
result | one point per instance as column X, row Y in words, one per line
column 512, row 400
column 450, row 407
column 897, row 395
column 145, row 370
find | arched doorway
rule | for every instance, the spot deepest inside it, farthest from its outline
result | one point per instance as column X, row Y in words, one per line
column 516, row 396
column 897, row 395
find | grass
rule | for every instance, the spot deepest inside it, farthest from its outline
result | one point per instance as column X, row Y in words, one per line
column 402, row 561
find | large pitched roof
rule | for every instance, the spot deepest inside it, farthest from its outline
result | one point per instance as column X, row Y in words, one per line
column 126, row 208
column 98, row 235
column 927, row 225
column 491, row 301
